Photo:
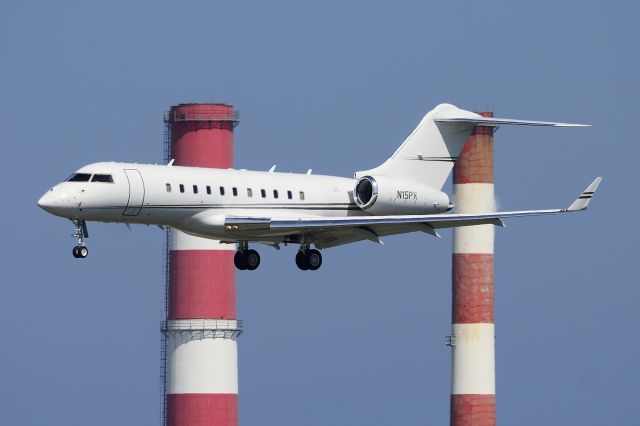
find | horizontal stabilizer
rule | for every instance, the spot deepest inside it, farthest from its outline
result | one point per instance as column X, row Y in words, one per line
column 582, row 201
column 495, row 122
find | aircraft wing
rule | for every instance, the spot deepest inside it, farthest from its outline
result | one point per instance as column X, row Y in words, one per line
column 331, row 231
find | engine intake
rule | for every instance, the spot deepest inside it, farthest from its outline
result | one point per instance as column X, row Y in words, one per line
column 366, row 192
column 384, row 195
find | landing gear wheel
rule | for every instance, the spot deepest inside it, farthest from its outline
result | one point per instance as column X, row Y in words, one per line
column 80, row 252
column 314, row 259
column 251, row 259
column 240, row 261
column 301, row 260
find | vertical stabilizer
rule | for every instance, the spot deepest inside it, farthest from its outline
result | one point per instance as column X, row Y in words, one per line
column 430, row 151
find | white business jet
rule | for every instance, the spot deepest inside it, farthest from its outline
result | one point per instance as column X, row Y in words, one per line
column 404, row 194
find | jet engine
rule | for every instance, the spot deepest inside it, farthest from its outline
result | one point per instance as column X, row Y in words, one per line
column 384, row 195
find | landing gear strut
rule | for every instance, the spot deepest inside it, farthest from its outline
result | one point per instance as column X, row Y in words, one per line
column 308, row 259
column 246, row 258
column 80, row 251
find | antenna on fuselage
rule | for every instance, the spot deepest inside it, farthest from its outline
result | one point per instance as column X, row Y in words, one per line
column 171, row 162
column 309, row 171
column 272, row 169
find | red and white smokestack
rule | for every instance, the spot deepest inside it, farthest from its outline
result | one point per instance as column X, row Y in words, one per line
column 201, row 328
column 473, row 400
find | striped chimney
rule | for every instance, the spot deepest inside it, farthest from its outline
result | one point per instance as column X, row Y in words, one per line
column 473, row 400
column 201, row 328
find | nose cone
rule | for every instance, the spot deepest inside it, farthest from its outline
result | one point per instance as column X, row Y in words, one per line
column 46, row 202
column 55, row 203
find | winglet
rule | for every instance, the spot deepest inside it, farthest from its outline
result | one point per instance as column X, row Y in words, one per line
column 582, row 201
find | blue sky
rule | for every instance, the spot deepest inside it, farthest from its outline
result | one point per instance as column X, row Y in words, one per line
column 333, row 86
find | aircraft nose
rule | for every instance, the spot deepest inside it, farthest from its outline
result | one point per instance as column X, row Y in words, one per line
column 54, row 202
column 46, row 201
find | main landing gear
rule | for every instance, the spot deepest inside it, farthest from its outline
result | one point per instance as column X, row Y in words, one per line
column 80, row 251
column 308, row 259
column 246, row 258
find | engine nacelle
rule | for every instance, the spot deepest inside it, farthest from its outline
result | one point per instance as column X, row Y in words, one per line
column 384, row 195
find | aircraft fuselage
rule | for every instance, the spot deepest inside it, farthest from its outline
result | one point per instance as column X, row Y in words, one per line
column 175, row 196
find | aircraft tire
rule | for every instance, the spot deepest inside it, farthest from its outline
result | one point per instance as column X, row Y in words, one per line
column 83, row 252
column 314, row 259
column 240, row 261
column 76, row 252
column 251, row 259
column 301, row 260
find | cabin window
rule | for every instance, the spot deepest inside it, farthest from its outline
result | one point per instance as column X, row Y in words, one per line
column 168, row 185
column 249, row 192
column 263, row 193
column 289, row 195
column 102, row 178
column 182, row 188
column 79, row 177
column 195, row 189
column 208, row 190
column 275, row 193
column 301, row 195
column 235, row 191
column 222, row 190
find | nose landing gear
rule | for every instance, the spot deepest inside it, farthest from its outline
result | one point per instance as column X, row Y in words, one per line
column 80, row 251
column 246, row 258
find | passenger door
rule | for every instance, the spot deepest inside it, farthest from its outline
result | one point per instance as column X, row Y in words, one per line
column 136, row 192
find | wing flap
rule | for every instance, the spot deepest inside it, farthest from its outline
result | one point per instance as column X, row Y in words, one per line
column 435, row 221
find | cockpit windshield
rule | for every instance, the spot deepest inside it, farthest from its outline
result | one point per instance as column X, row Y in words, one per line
column 86, row 177
column 79, row 177
column 102, row 178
